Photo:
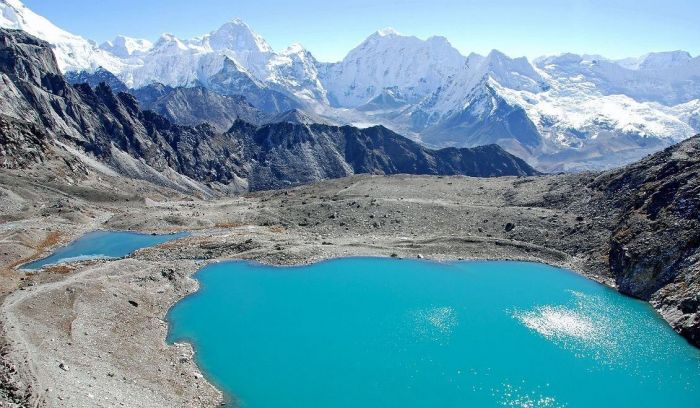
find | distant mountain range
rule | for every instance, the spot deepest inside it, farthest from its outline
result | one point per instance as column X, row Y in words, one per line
column 561, row 113
column 44, row 118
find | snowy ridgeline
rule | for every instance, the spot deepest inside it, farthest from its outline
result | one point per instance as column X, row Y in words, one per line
column 561, row 112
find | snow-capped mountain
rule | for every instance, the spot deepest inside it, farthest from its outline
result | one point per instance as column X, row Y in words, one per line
column 563, row 112
column 411, row 68
column 667, row 77
column 73, row 53
column 688, row 113
column 466, row 89
column 125, row 47
column 295, row 70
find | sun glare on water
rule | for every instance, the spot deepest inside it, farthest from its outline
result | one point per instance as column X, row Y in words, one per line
column 556, row 321
column 436, row 323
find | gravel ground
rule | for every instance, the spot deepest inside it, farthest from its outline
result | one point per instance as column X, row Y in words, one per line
column 92, row 334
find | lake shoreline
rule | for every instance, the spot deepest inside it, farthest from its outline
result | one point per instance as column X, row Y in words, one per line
column 186, row 285
column 224, row 282
column 186, row 280
column 448, row 218
column 229, row 398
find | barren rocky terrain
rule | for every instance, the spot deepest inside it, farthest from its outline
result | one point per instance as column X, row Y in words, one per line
column 73, row 339
column 93, row 333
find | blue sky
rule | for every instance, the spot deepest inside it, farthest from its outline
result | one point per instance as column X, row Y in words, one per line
column 330, row 28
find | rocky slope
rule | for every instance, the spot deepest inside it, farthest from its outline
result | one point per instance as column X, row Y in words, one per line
column 655, row 242
column 571, row 220
column 112, row 129
column 197, row 105
column 307, row 153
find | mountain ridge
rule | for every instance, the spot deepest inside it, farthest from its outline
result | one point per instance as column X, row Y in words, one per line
column 588, row 112
column 112, row 129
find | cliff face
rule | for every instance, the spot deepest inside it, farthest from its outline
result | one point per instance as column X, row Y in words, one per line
column 654, row 245
column 21, row 144
column 41, row 109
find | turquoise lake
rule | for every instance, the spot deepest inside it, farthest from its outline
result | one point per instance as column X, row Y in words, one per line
column 102, row 244
column 373, row 332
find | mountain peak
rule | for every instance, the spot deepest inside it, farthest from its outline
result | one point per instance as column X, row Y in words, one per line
column 438, row 39
column 386, row 59
column 387, row 32
column 125, row 47
column 497, row 55
column 295, row 48
column 666, row 59
column 566, row 58
column 169, row 41
column 238, row 22
column 237, row 36
column 235, row 25
column 166, row 37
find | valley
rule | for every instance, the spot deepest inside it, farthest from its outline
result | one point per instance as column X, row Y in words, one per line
column 141, row 163
column 571, row 221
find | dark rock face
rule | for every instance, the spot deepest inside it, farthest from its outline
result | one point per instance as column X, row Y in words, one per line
column 95, row 78
column 21, row 144
column 26, row 57
column 197, row 105
column 143, row 144
column 149, row 95
column 286, row 154
column 654, row 247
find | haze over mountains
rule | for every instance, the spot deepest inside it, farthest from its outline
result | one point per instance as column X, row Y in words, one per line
column 565, row 112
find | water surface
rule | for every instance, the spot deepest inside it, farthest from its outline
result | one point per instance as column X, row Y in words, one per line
column 369, row 332
column 102, row 244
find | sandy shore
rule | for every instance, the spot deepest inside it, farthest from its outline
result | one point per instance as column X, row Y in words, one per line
column 73, row 337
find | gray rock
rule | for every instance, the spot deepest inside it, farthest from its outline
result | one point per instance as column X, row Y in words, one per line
column 196, row 105
column 654, row 248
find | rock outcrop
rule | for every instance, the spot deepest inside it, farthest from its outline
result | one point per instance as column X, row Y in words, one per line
column 655, row 244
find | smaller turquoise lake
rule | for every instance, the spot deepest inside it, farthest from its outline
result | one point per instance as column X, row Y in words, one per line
column 102, row 244
column 373, row 332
